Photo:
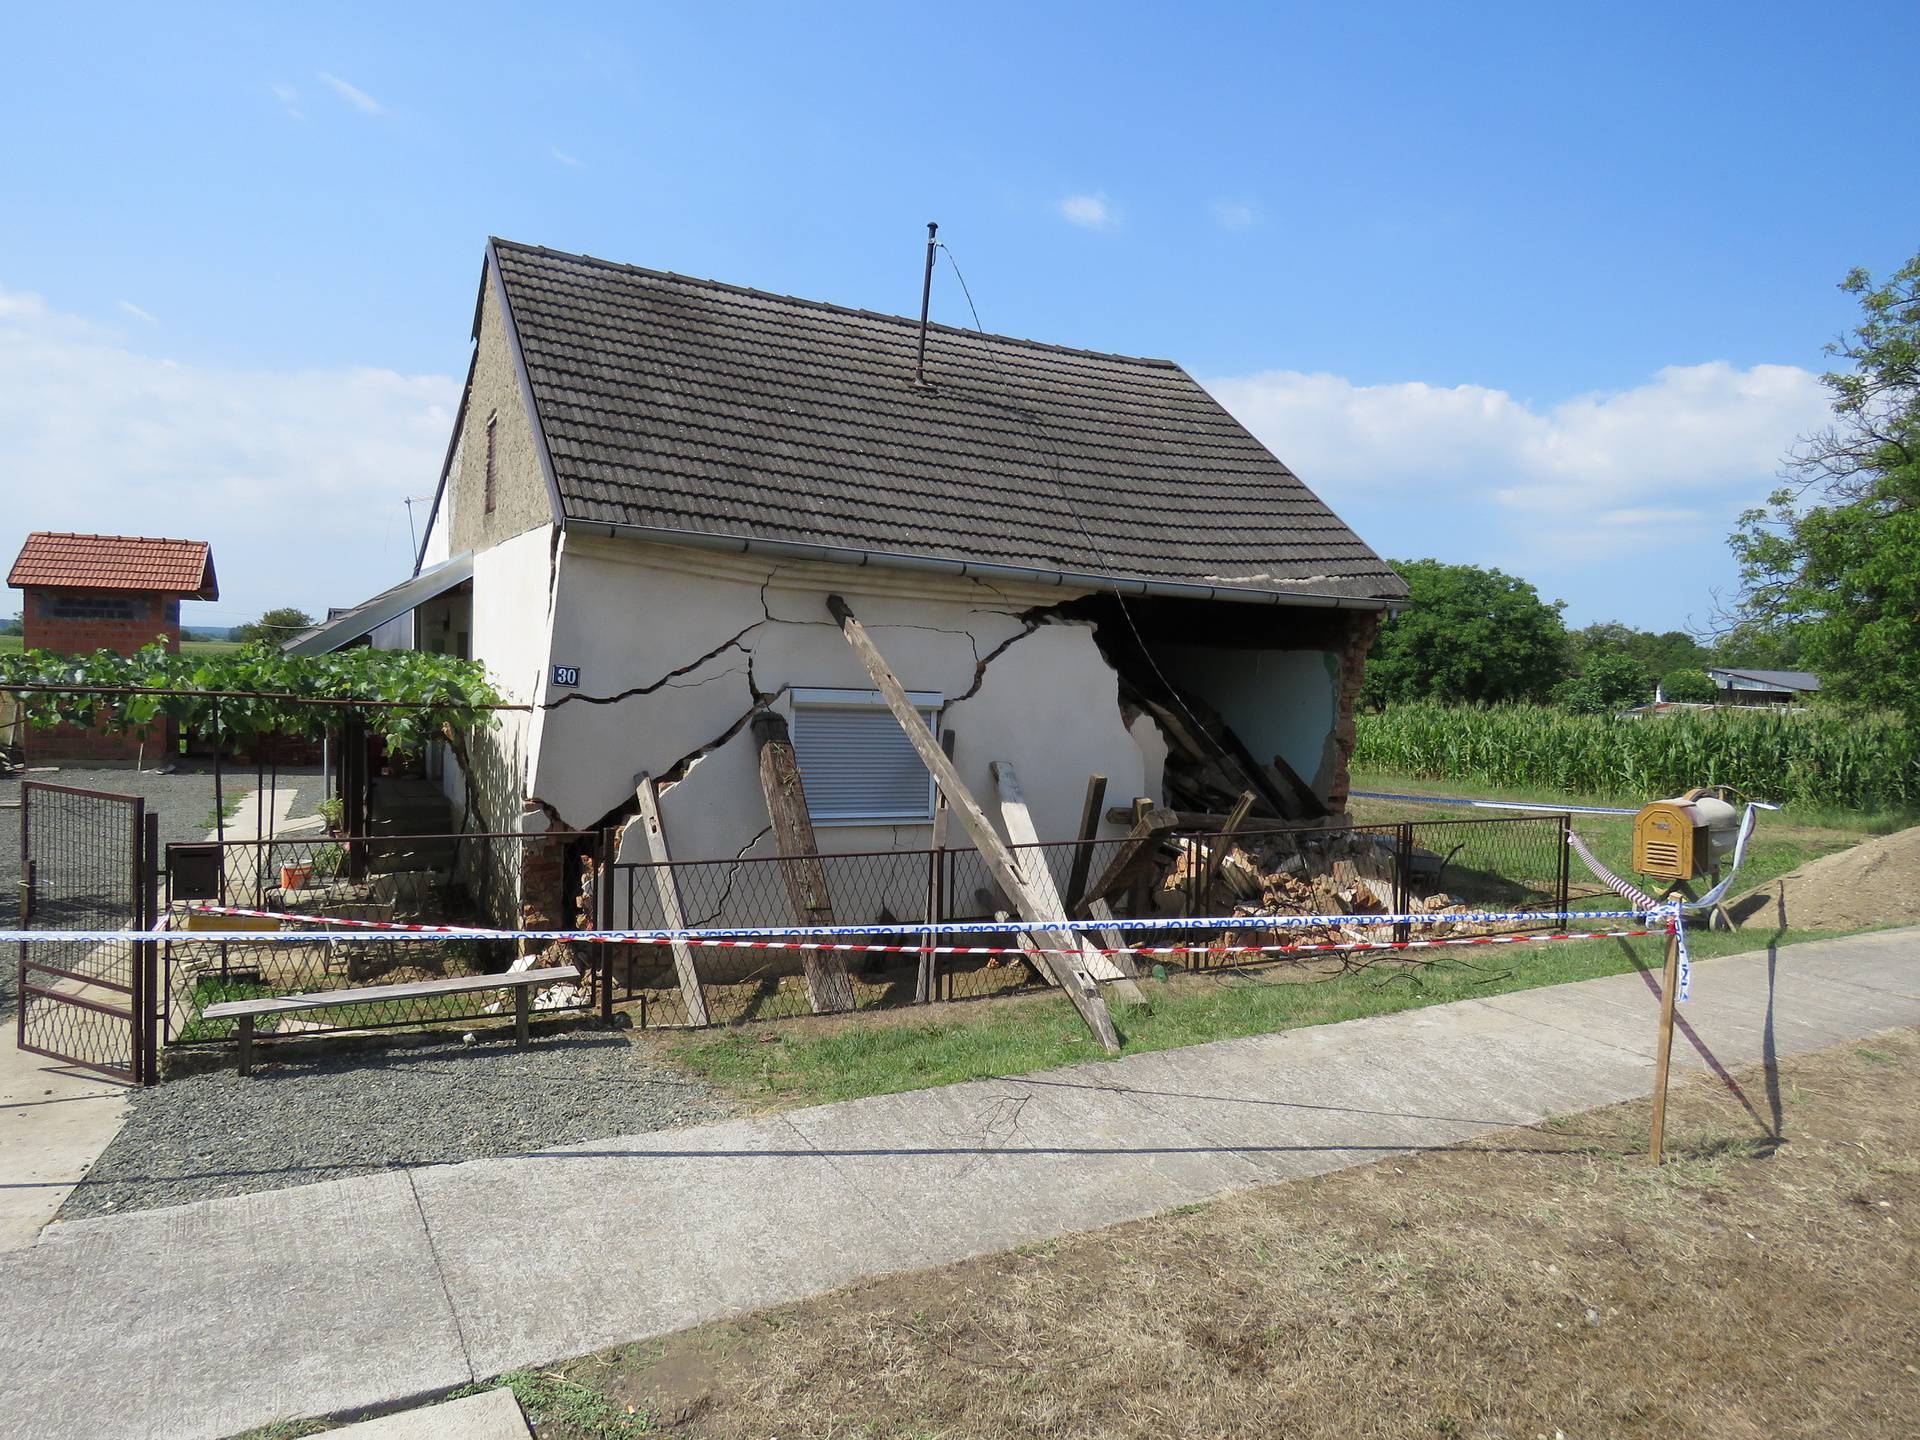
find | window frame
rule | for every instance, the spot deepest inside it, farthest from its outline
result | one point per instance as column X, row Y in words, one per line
column 928, row 703
column 489, row 482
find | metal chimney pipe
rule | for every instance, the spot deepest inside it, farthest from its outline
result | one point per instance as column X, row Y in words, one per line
column 926, row 296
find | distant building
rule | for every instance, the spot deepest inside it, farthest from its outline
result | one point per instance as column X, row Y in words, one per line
column 85, row 593
column 1763, row 687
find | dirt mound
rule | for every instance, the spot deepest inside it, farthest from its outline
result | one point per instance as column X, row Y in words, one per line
column 1875, row 883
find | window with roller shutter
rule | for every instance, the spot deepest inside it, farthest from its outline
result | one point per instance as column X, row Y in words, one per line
column 857, row 764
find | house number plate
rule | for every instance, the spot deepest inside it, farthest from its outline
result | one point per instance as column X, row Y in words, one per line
column 566, row 674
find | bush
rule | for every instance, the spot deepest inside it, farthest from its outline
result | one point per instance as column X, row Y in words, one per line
column 1611, row 680
column 1689, row 687
column 1855, row 761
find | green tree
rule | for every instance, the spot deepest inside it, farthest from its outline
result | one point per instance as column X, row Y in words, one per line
column 1468, row 635
column 1689, row 687
column 1659, row 653
column 1834, row 555
column 1610, row 680
column 276, row 625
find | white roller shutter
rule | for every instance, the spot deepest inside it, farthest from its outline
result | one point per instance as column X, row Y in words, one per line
column 854, row 760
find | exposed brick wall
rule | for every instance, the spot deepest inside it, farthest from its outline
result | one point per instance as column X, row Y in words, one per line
column 1362, row 626
column 79, row 623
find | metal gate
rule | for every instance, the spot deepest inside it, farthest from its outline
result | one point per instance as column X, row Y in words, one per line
column 87, row 863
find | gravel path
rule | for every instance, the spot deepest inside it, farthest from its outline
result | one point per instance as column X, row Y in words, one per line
column 183, row 800
column 382, row 1107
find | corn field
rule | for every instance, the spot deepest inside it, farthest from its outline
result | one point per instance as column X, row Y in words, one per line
column 1825, row 758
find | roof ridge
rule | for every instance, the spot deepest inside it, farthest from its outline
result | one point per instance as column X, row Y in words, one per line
column 98, row 535
column 962, row 331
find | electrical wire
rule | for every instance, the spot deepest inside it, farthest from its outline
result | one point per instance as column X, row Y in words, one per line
column 1054, row 468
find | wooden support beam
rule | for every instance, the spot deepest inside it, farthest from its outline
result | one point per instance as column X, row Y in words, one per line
column 668, row 889
column 1218, row 850
column 1119, row 969
column 829, row 988
column 1089, row 831
column 926, row 985
column 1073, row 976
column 1135, row 852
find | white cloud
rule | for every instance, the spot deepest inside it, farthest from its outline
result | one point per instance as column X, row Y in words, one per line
column 351, row 93
column 289, row 99
column 296, row 476
column 127, row 307
column 1579, row 496
column 1691, row 429
column 1091, row 212
column 1234, row 214
column 572, row 162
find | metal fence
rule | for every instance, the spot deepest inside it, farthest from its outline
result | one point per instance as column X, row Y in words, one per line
column 1508, row 863
column 469, row 879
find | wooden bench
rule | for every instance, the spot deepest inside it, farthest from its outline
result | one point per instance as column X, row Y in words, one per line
column 521, row 982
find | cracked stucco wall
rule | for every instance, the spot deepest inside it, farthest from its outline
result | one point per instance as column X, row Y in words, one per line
column 631, row 614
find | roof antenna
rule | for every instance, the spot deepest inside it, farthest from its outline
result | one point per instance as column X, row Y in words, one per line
column 926, row 294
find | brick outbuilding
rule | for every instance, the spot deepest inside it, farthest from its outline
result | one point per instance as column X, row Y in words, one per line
column 85, row 593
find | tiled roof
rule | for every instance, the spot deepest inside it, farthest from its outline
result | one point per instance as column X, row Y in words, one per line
column 116, row 562
column 681, row 404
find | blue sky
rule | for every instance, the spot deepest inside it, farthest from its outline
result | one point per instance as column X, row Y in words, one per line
column 1520, row 285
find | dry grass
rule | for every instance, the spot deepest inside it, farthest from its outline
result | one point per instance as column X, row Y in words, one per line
column 1538, row 1283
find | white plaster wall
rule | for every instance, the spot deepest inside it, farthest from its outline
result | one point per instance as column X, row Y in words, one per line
column 511, row 583
column 1279, row 702
column 628, row 614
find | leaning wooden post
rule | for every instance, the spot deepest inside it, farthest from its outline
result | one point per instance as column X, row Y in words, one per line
column 829, row 988
column 928, row 980
column 1668, row 984
column 1089, row 831
column 1235, row 817
column 668, row 889
column 1062, row 957
column 1119, row 969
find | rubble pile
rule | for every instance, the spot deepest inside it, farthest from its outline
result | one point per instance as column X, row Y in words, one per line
column 1336, row 872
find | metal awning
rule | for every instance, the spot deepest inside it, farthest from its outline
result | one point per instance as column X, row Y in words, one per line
column 340, row 631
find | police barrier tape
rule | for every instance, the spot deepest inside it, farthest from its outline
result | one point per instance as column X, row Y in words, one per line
column 826, row 938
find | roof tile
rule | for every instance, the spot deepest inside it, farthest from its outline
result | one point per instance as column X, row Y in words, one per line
column 683, row 404
column 62, row 560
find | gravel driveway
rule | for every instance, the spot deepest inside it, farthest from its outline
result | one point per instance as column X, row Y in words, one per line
column 379, row 1107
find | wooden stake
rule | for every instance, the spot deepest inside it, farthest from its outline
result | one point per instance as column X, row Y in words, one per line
column 668, row 889
column 829, row 988
column 1065, row 967
column 1669, row 982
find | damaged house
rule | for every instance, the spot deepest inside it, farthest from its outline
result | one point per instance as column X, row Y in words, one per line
column 1073, row 562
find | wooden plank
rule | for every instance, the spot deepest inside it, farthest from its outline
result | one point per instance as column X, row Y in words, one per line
column 411, row 990
column 1033, row 866
column 1149, row 824
column 1073, row 977
column 927, row 983
column 1089, row 831
column 1218, row 851
column 668, row 890
column 828, row 986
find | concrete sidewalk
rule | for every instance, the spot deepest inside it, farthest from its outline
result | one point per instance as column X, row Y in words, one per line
column 210, row 1318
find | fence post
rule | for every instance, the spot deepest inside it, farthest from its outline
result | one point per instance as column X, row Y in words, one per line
column 1403, row 878
column 1566, row 860
column 603, row 911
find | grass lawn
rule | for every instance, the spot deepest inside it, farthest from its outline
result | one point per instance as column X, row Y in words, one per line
column 1782, row 840
column 12, row 645
column 814, row 1060
column 1537, row 1282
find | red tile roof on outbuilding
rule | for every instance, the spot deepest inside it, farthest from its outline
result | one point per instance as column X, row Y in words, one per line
column 54, row 560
